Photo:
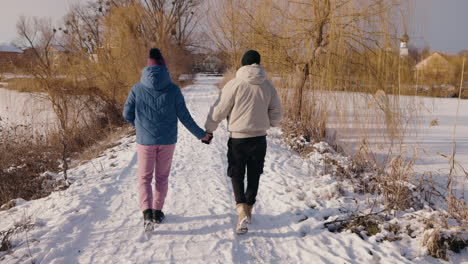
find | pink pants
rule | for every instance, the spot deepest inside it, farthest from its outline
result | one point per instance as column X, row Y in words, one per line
column 157, row 160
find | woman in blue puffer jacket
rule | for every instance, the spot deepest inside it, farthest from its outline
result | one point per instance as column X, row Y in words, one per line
column 154, row 106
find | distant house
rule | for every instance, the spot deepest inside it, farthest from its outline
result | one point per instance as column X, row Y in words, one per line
column 58, row 48
column 435, row 63
column 9, row 49
column 436, row 68
column 8, row 56
column 463, row 53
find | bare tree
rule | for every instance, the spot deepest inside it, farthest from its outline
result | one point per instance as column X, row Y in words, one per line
column 314, row 44
column 171, row 20
column 112, row 38
column 38, row 36
column 324, row 30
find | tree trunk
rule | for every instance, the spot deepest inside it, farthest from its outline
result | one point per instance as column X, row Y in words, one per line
column 299, row 90
column 64, row 142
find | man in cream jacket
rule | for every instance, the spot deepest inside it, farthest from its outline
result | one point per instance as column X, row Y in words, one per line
column 251, row 106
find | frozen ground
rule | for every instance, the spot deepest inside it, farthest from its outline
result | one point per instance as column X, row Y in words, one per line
column 97, row 219
column 32, row 110
column 427, row 130
column 32, row 113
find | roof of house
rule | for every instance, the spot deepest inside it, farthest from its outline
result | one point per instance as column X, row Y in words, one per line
column 9, row 48
column 434, row 57
column 59, row 48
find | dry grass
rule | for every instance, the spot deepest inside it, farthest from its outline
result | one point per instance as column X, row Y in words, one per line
column 362, row 225
column 396, row 184
column 25, row 159
column 439, row 242
column 108, row 141
column 22, row 225
column 457, row 205
column 438, row 238
column 23, row 85
column 302, row 136
column 391, row 178
column 464, row 93
column 22, row 161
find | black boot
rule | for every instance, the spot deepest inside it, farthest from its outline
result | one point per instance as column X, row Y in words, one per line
column 158, row 216
column 148, row 220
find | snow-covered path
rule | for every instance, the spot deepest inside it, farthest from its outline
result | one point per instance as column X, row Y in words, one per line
column 97, row 220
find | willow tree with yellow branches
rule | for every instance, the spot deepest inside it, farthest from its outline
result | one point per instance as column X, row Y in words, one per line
column 313, row 44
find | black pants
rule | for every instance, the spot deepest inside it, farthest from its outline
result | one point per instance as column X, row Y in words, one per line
column 246, row 153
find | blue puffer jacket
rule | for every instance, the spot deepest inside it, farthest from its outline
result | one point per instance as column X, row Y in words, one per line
column 153, row 107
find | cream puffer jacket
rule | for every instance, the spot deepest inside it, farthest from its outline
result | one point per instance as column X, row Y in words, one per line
column 249, row 102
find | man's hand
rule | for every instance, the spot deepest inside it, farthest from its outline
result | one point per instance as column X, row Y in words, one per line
column 207, row 139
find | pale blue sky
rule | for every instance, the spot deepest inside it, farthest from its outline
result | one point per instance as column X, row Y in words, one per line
column 441, row 24
column 10, row 10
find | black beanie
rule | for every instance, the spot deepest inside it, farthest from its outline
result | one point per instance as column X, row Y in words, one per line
column 251, row 57
column 155, row 54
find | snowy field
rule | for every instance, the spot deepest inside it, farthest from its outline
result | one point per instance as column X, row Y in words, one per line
column 32, row 114
column 427, row 130
column 97, row 219
column 25, row 109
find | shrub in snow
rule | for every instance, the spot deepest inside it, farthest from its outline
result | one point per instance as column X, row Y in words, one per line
column 301, row 137
column 12, row 204
column 362, row 225
column 438, row 241
column 6, row 236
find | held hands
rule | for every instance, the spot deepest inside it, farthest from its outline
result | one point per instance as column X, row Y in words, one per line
column 207, row 139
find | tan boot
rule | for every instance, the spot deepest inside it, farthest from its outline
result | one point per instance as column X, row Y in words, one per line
column 242, row 220
column 249, row 214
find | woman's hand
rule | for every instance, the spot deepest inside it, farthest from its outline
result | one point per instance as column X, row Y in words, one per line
column 207, row 139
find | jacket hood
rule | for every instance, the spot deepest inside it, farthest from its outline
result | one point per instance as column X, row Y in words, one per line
column 155, row 77
column 253, row 74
